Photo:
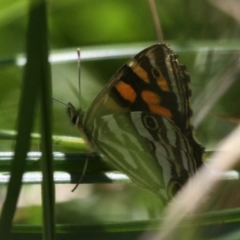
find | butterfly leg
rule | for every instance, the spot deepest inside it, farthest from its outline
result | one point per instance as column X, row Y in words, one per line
column 89, row 155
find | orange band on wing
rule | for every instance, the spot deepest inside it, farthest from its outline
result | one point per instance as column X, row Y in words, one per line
column 163, row 84
column 139, row 71
column 126, row 91
column 153, row 101
column 160, row 110
column 150, row 97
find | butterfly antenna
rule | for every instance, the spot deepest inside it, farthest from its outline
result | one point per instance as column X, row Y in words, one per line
column 83, row 174
column 59, row 101
column 156, row 20
column 80, row 105
column 79, row 77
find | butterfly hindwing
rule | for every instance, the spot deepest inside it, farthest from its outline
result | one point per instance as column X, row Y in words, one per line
column 145, row 144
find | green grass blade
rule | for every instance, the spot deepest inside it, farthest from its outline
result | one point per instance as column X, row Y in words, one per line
column 24, row 126
column 39, row 15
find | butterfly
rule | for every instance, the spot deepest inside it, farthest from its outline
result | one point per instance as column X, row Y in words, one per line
column 141, row 122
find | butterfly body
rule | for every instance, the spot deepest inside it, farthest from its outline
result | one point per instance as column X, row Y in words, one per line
column 141, row 123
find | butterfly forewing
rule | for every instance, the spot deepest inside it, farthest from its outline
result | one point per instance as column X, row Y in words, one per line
column 151, row 81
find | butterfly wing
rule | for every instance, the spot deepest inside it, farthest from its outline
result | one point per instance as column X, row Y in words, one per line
column 152, row 81
column 148, row 147
column 141, row 122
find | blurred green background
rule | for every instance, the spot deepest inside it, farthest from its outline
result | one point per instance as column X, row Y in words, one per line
column 205, row 34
